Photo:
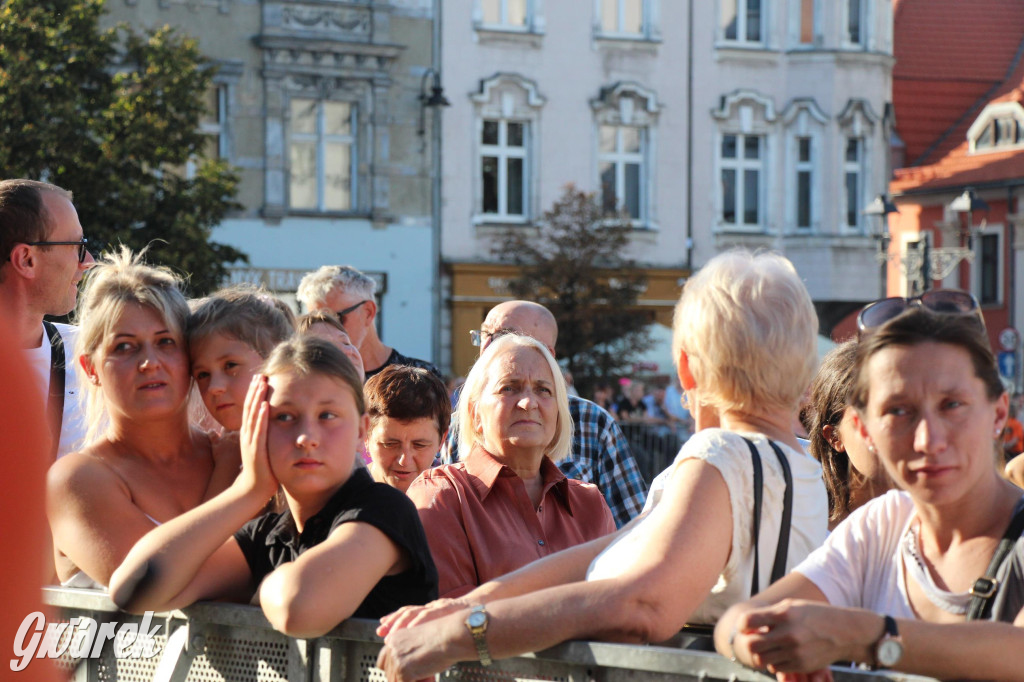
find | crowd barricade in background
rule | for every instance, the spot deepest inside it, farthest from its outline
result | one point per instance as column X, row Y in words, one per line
column 213, row 642
column 654, row 446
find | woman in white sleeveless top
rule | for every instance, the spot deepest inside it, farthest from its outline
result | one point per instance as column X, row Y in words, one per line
column 744, row 338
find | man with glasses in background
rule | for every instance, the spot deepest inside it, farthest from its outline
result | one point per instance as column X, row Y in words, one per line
column 600, row 453
column 45, row 254
column 350, row 295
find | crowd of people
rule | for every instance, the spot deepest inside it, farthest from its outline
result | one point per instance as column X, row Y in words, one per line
column 222, row 448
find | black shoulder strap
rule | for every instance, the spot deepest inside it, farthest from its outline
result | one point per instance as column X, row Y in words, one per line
column 755, row 459
column 55, row 400
column 985, row 587
column 782, row 552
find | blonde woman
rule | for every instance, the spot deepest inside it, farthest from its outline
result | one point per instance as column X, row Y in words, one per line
column 744, row 339
column 507, row 503
column 143, row 464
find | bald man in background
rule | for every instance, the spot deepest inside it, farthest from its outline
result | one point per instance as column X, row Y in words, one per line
column 600, row 453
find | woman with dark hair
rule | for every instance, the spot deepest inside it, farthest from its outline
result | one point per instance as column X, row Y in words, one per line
column 897, row 583
column 851, row 471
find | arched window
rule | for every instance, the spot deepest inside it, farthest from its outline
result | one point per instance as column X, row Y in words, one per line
column 507, row 115
column 626, row 115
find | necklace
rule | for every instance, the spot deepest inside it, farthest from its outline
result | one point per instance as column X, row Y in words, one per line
column 950, row 602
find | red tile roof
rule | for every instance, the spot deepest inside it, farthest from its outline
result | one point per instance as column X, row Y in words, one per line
column 949, row 53
column 970, row 69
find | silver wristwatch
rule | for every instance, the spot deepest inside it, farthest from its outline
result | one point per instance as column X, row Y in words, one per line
column 889, row 648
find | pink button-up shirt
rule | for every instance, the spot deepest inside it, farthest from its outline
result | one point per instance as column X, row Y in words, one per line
column 481, row 524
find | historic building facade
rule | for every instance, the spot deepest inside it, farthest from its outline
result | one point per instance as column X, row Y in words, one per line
column 317, row 103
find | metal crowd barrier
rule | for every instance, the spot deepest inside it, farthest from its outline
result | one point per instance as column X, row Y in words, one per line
column 653, row 446
column 212, row 642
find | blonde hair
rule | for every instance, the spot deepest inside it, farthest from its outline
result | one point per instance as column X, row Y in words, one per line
column 118, row 280
column 749, row 330
column 462, row 421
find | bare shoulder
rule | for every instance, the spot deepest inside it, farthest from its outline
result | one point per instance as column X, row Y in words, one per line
column 87, row 471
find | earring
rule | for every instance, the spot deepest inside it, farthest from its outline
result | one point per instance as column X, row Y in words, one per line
column 685, row 401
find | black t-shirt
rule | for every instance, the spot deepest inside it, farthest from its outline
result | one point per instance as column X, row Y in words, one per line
column 397, row 358
column 627, row 409
column 272, row 540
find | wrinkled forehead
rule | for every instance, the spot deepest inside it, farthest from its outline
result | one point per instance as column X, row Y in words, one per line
column 518, row 360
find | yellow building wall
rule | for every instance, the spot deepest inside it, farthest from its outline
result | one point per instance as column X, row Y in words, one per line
column 478, row 287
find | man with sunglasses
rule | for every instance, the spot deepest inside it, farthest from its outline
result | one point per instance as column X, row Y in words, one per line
column 351, row 296
column 44, row 256
column 600, row 453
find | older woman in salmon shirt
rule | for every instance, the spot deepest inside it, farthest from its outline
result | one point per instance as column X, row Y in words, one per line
column 507, row 503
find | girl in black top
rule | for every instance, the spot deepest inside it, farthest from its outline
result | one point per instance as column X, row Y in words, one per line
column 345, row 546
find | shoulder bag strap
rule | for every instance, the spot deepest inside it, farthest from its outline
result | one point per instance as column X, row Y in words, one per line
column 985, row 587
column 55, row 400
column 755, row 459
column 782, row 552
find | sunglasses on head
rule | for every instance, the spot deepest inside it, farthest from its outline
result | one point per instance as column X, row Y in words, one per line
column 946, row 301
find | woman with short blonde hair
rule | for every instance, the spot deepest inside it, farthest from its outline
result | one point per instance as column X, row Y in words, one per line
column 695, row 552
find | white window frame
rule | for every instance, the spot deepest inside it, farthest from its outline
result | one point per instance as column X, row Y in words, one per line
column 321, row 140
column 977, row 267
column 803, row 118
column 740, row 164
column 859, row 167
column 512, row 98
column 646, row 10
column 741, row 23
column 748, row 112
column 619, row 160
column 503, row 152
column 629, row 104
column 858, row 119
column 991, row 114
column 217, row 126
column 809, row 167
column 862, row 43
column 531, row 24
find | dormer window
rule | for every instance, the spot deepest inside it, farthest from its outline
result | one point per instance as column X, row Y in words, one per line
column 1000, row 126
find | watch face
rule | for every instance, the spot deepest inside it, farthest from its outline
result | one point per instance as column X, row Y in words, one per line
column 476, row 619
column 889, row 652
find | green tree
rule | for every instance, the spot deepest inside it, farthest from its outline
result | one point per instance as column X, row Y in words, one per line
column 112, row 115
column 573, row 264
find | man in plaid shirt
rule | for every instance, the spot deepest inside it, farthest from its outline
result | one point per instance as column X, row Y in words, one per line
column 600, row 453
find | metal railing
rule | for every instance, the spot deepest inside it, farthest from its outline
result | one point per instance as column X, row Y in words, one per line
column 212, row 642
column 654, row 446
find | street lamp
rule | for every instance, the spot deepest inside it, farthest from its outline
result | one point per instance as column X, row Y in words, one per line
column 433, row 100
column 881, row 206
column 968, row 203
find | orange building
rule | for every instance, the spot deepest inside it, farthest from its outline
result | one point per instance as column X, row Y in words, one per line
column 958, row 94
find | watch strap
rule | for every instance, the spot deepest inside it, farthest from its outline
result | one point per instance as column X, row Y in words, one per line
column 479, row 639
